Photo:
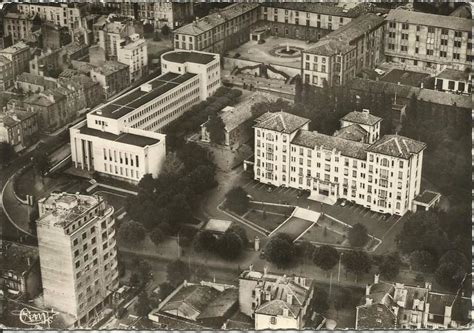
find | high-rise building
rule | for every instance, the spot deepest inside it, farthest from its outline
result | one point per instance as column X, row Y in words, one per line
column 78, row 254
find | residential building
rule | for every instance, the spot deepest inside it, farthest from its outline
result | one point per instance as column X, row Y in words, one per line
column 112, row 32
column 119, row 138
column 14, row 60
column 238, row 120
column 160, row 13
column 220, row 31
column 18, row 127
column 133, row 53
column 398, row 306
column 20, row 273
column 112, row 76
column 33, row 83
column 307, row 20
column 53, row 36
column 455, row 81
column 52, row 110
column 428, row 40
column 47, row 62
column 63, row 14
column 78, row 253
column 19, row 26
column 275, row 301
column 341, row 55
column 205, row 305
column 86, row 88
column 383, row 175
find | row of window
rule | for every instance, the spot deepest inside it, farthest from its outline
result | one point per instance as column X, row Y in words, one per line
column 121, row 171
column 431, row 30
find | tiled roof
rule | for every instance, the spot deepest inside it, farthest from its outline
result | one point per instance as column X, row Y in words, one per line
column 275, row 308
column 363, row 118
column 352, row 132
column 347, row 148
column 397, row 146
column 340, row 40
column 35, row 79
column 440, row 21
column 191, row 300
column 320, row 8
column 110, row 67
column 221, row 305
column 20, row 46
column 213, row 20
column 241, row 112
column 280, row 122
column 453, row 74
column 15, row 257
column 443, row 98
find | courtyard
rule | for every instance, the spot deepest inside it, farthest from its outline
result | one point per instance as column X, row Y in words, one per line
column 273, row 51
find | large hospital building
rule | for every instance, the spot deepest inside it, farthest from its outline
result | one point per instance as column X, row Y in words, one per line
column 382, row 174
column 121, row 138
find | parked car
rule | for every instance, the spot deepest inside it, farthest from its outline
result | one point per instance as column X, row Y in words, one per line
column 343, row 203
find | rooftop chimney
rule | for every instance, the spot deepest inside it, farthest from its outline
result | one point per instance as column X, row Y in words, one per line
column 367, row 290
column 265, row 270
column 428, row 285
column 368, row 301
column 365, row 111
column 285, row 312
column 289, row 298
column 376, row 278
column 251, row 267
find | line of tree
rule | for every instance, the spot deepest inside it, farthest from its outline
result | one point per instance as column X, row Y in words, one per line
column 229, row 245
column 7, row 153
column 168, row 201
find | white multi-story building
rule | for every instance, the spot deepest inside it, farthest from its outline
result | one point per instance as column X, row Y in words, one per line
column 78, row 254
column 133, row 52
column 383, row 174
column 120, row 138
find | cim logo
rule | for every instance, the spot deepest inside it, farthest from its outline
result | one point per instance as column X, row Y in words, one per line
column 33, row 318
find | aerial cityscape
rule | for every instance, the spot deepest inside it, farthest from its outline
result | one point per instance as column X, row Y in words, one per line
column 235, row 165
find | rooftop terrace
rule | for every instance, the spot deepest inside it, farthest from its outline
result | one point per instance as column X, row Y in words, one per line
column 126, row 138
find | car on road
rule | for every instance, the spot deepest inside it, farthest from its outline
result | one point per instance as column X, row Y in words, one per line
column 270, row 189
column 343, row 203
column 249, row 197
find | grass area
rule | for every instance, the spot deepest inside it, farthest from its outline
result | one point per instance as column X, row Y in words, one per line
column 269, row 220
column 321, row 235
column 295, row 227
column 271, row 208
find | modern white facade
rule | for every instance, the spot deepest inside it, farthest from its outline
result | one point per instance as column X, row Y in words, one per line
column 78, row 253
column 383, row 175
column 120, row 138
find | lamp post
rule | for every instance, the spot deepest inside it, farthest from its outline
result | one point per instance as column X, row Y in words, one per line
column 339, row 268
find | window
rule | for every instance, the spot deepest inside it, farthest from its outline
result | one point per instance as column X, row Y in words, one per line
column 458, row 34
column 431, row 30
column 404, row 26
column 429, row 52
column 404, row 48
column 273, row 320
column 75, row 242
column 457, row 43
column 404, row 36
column 392, row 24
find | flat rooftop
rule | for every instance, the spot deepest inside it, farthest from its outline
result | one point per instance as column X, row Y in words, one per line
column 408, row 78
column 126, row 138
column 182, row 57
column 427, row 197
column 453, row 74
column 134, row 99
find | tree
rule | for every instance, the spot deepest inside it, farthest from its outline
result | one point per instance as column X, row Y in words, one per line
column 453, row 265
column 172, row 165
column 216, row 129
column 7, row 153
column 157, row 236
column 166, row 288
column 143, row 270
column 241, row 232
column 134, row 280
column 423, row 261
column 230, row 245
column 165, row 30
column 237, row 200
column 147, row 184
column 177, row 271
column 358, row 235
column 41, row 163
column 357, row 262
column 390, row 266
column 280, row 250
column 320, row 301
column 131, row 233
column 206, row 240
column 298, row 89
column 143, row 306
column 325, row 257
